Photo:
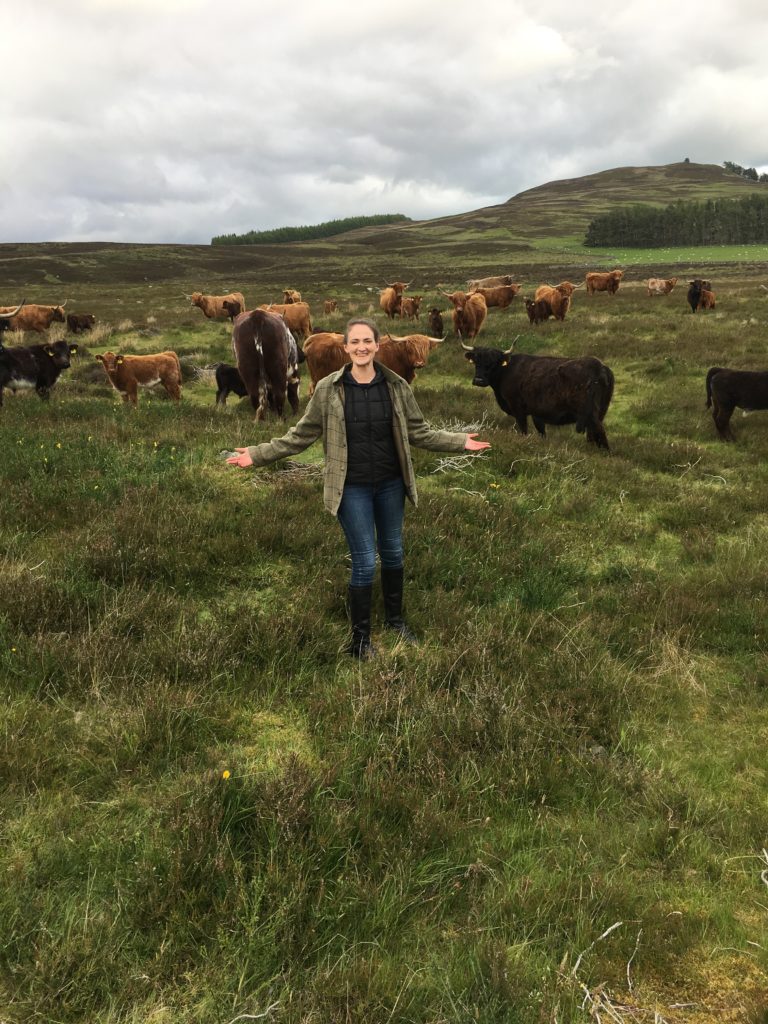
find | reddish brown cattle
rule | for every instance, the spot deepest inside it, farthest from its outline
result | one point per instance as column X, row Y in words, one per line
column 213, row 305
column 295, row 314
column 405, row 354
column 409, row 307
column 490, row 282
column 329, row 306
column 603, row 282
column 538, row 310
column 700, row 295
column 291, row 295
column 499, row 296
column 660, row 285
column 128, row 373
column 391, row 296
column 232, row 308
column 32, row 317
column 268, row 360
column 559, row 298
column 469, row 313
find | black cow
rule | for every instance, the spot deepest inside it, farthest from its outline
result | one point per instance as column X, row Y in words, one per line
column 233, row 309
column 538, row 310
column 727, row 389
column 228, row 379
column 34, row 366
column 79, row 322
column 435, row 323
column 267, row 358
column 695, row 293
column 550, row 389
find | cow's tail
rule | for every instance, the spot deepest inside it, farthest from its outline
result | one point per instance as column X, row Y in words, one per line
column 596, row 400
column 710, row 374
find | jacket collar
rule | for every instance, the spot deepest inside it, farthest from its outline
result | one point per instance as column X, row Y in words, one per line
column 389, row 375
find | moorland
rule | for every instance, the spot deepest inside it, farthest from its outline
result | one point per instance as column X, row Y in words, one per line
column 552, row 809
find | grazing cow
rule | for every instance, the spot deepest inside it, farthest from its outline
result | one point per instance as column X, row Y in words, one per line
column 268, row 360
column 232, row 308
column 700, row 295
column 391, row 297
column 558, row 298
column 500, row 296
column 213, row 305
column 403, row 354
column 538, row 310
column 329, row 306
column 33, row 317
column 79, row 322
column 409, row 307
column 290, row 295
column 34, row 366
column 490, row 282
column 727, row 389
column 435, row 322
column 550, row 389
column 469, row 313
column 295, row 314
column 660, row 285
column 128, row 373
column 603, row 282
column 228, row 379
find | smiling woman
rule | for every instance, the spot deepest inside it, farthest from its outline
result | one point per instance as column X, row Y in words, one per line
column 368, row 418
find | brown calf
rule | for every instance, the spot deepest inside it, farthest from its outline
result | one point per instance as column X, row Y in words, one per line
column 128, row 373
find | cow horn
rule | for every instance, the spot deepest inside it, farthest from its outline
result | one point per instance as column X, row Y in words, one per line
column 468, row 348
column 7, row 316
column 514, row 342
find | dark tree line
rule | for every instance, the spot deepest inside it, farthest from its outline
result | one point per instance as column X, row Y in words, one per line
column 714, row 222
column 309, row 231
column 744, row 172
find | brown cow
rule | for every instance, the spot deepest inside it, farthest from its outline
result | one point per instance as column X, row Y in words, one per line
column 500, row 296
column 660, row 285
column 409, row 307
column 559, row 298
column 469, row 313
column 33, row 317
column 603, row 282
column 391, row 296
column 291, row 295
column 329, row 306
column 213, row 305
column 268, row 360
column 538, row 310
column 700, row 295
column 490, row 282
column 404, row 354
column 295, row 314
column 128, row 373
column 79, row 322
column 233, row 308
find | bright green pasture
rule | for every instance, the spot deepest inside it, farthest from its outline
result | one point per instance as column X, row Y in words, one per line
column 553, row 808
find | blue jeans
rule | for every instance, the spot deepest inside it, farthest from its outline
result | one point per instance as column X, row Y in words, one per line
column 368, row 513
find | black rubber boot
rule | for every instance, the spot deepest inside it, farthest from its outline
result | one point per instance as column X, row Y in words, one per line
column 392, row 587
column 360, row 645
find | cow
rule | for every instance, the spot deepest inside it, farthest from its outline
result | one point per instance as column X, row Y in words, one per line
column 538, row 310
column 128, row 373
column 660, row 285
column 700, row 295
column 603, row 282
column 34, row 366
column 500, row 295
column 268, row 360
column 32, row 317
column 295, row 314
column 469, row 313
column 232, row 308
column 557, row 296
column 409, row 307
column 79, row 322
column 213, row 305
column 550, row 389
column 404, row 354
column 290, row 295
column 435, row 322
column 228, row 379
column 727, row 389
column 490, row 282
column 391, row 296
column 329, row 306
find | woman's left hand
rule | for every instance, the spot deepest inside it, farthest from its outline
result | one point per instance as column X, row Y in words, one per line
column 471, row 445
column 243, row 460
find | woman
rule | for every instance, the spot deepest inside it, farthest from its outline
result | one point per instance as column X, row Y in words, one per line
column 367, row 417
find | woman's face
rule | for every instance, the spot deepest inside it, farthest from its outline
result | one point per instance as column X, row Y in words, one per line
column 360, row 346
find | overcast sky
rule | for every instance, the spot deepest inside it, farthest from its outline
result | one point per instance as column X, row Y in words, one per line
column 175, row 120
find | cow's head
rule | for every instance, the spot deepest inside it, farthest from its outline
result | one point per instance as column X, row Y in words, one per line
column 197, row 298
column 488, row 362
column 457, row 298
column 399, row 286
column 59, row 352
column 110, row 361
column 59, row 315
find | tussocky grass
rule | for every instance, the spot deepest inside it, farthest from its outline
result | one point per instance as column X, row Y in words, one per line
column 208, row 812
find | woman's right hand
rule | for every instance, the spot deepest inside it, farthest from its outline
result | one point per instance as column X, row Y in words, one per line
column 472, row 445
column 243, row 460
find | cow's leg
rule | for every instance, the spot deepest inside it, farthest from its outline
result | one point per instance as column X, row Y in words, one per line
column 221, row 396
column 522, row 423
column 43, row 391
column 540, row 425
column 293, row 395
column 172, row 389
column 131, row 394
column 722, row 416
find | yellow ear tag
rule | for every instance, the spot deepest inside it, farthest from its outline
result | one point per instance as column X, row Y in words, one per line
column 119, row 360
column 49, row 352
column 505, row 362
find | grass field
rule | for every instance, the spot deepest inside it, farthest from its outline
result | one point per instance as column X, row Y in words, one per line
column 553, row 810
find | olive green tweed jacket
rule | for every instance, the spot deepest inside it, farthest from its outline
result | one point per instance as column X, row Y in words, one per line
column 324, row 416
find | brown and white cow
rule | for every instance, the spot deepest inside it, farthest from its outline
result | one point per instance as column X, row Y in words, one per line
column 660, row 285
column 128, row 373
column 213, row 305
column 268, row 360
column 609, row 281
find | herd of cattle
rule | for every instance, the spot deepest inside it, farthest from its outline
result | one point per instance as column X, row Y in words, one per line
column 550, row 390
